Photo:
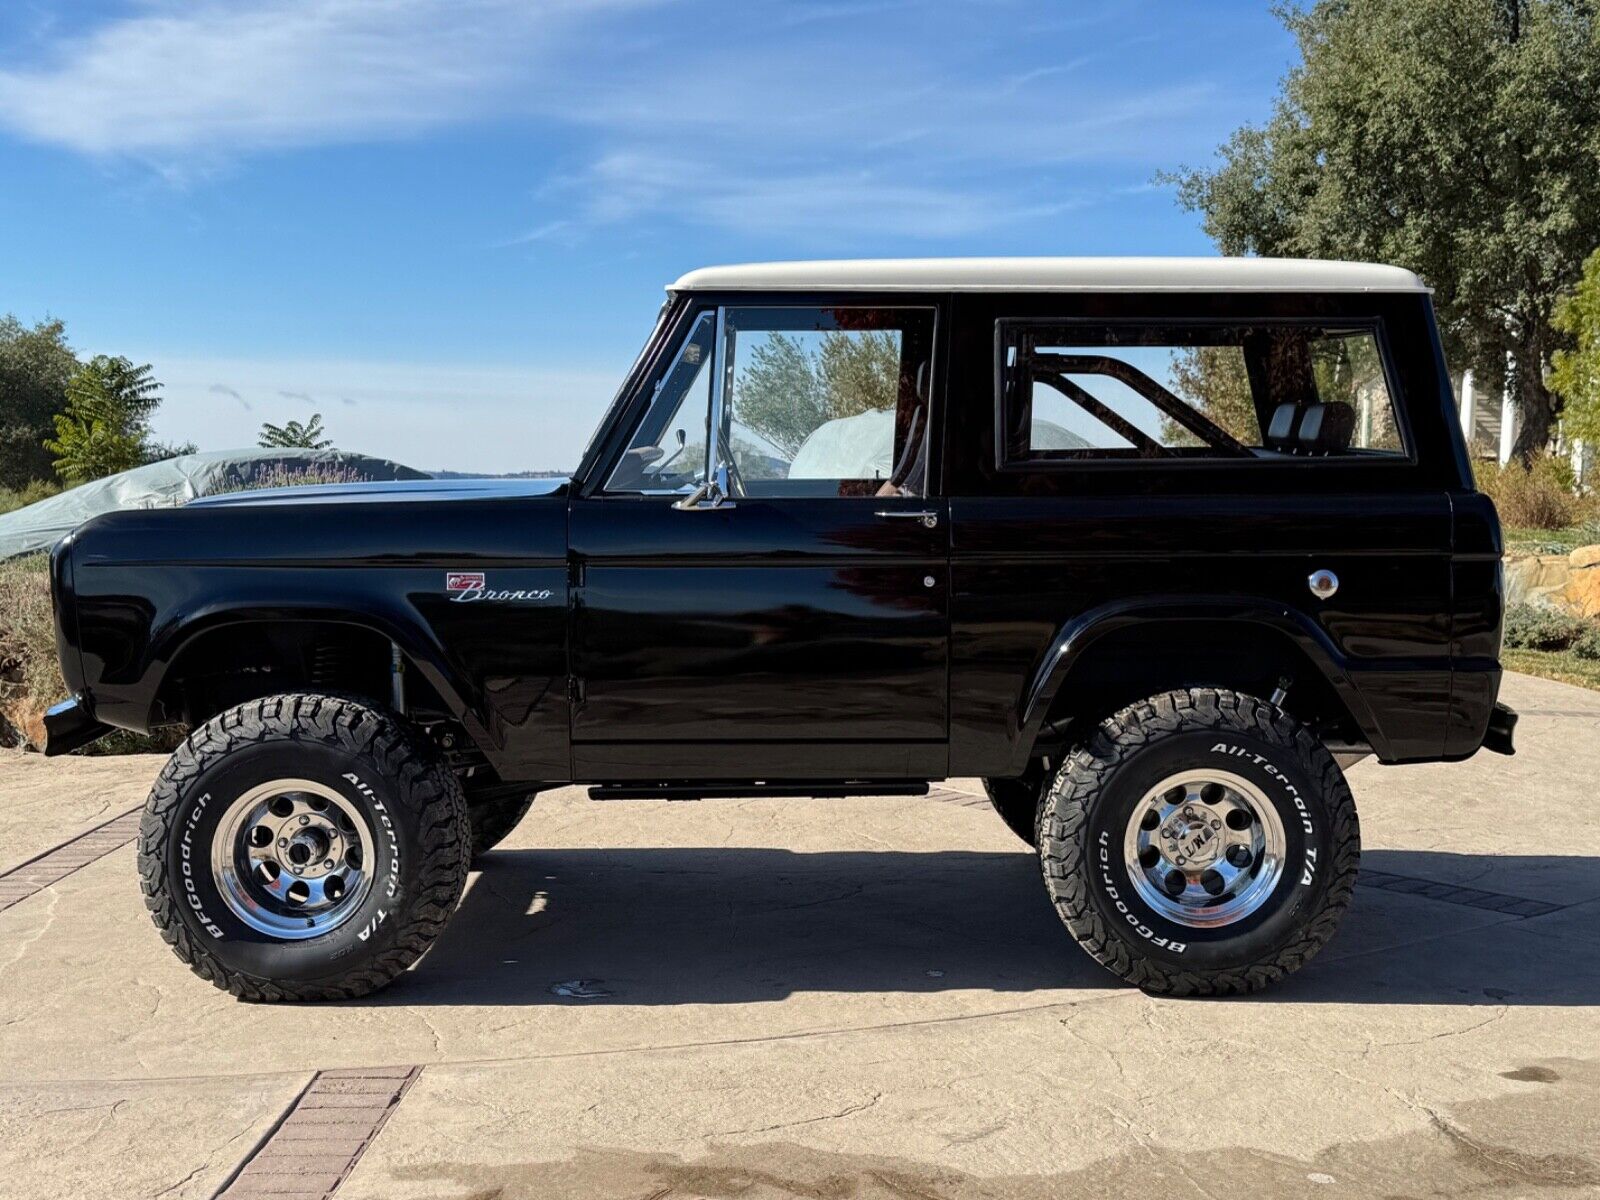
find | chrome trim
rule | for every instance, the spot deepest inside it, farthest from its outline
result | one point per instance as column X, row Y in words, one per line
column 1323, row 583
column 1204, row 848
column 928, row 517
column 293, row 859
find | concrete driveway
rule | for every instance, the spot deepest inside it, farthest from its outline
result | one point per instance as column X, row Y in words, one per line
column 831, row 999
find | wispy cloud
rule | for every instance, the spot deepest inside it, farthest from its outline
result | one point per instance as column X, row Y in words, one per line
column 838, row 117
column 426, row 414
column 222, row 389
column 179, row 78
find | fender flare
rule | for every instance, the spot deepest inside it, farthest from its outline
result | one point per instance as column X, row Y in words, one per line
column 391, row 622
column 1074, row 638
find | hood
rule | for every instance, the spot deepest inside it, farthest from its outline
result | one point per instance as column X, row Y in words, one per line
column 388, row 492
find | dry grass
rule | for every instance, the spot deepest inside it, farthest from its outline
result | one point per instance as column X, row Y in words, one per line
column 1540, row 496
column 1561, row 665
column 30, row 675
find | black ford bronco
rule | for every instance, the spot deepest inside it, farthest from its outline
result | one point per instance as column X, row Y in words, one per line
column 1150, row 546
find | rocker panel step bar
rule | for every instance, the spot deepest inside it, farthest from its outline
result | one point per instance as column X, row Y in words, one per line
column 724, row 790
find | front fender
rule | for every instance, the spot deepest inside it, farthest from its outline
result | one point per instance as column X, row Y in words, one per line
column 1077, row 635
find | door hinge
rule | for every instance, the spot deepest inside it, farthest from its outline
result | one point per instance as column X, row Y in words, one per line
column 574, row 690
column 575, row 572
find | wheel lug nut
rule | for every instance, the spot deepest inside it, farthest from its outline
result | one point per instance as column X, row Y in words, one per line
column 328, row 866
column 305, row 820
column 1216, row 824
column 283, row 841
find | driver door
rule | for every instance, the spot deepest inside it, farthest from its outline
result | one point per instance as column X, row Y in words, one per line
column 760, row 578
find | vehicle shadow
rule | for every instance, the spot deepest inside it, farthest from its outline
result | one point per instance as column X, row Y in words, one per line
column 713, row 925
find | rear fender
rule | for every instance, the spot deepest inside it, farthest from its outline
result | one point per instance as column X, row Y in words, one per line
column 1077, row 636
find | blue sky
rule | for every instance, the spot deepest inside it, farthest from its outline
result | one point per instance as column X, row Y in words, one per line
column 446, row 224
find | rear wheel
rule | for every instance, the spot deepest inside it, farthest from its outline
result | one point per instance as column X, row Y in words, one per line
column 1203, row 842
column 303, row 847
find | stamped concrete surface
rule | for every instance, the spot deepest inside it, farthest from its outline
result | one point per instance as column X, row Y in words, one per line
column 840, row 999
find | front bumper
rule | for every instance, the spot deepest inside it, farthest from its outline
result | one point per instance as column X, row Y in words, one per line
column 1502, row 722
column 70, row 725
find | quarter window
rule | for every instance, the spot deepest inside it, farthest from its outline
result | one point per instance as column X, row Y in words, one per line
column 1121, row 391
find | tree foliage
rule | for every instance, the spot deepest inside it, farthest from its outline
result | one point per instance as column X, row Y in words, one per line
column 35, row 364
column 1215, row 381
column 106, row 426
column 1460, row 138
column 294, row 435
column 787, row 389
column 1575, row 373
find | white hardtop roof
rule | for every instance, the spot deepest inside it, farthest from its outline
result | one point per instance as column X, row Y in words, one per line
column 1053, row 275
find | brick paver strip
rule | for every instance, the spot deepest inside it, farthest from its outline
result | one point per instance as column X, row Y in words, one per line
column 52, row 866
column 322, row 1136
column 1516, row 906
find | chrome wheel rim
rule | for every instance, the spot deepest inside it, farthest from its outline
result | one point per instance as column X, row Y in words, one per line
column 1204, row 848
column 292, row 858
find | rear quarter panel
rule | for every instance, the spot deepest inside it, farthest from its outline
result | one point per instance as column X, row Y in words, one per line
column 1035, row 549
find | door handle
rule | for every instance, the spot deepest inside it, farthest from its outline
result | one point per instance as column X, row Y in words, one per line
column 928, row 518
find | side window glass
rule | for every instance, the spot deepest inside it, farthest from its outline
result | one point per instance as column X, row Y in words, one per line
column 668, row 450
column 828, row 401
column 1193, row 391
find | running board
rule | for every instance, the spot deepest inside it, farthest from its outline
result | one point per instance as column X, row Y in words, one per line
column 744, row 791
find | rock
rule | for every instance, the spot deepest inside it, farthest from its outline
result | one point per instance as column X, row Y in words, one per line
column 1581, row 596
column 1584, row 557
column 1530, row 574
column 11, row 737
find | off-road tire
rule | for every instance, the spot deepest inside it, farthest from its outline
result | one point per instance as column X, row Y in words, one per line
column 419, row 864
column 1083, row 818
column 1017, row 803
column 493, row 820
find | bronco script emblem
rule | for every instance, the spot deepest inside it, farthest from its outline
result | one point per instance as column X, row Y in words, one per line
column 464, row 587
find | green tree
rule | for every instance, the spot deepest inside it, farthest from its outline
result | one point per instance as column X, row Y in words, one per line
column 106, row 427
column 1214, row 380
column 293, row 435
column 1460, row 138
column 779, row 395
column 35, row 365
column 1575, row 373
column 786, row 390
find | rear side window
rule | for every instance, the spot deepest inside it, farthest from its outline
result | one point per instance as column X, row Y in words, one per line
column 1086, row 391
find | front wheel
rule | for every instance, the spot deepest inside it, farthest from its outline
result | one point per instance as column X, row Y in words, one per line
column 1202, row 843
column 494, row 818
column 303, row 847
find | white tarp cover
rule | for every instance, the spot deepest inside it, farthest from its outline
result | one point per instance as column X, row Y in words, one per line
column 862, row 446
column 173, row 482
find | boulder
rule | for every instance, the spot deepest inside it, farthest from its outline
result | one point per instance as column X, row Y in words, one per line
column 1581, row 595
column 1535, row 575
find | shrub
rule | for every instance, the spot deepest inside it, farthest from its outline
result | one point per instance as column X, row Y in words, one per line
column 1530, row 628
column 30, row 676
column 278, row 475
column 1538, row 496
column 29, row 493
column 1587, row 645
